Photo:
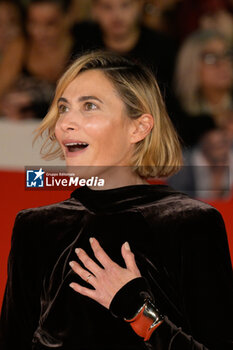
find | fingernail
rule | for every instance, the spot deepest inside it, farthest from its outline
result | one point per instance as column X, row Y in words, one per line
column 71, row 263
column 71, row 285
column 127, row 247
column 77, row 250
column 91, row 240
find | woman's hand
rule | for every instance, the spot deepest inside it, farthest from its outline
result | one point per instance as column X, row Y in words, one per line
column 107, row 280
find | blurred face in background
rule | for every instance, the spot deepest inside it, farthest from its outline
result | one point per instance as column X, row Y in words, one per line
column 46, row 23
column 216, row 147
column 216, row 69
column 10, row 23
column 117, row 17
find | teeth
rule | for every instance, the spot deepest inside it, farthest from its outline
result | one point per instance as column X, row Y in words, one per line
column 76, row 143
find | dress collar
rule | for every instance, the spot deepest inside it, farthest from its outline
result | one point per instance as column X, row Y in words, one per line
column 120, row 198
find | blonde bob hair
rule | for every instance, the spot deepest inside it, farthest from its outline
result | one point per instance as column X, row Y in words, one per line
column 159, row 153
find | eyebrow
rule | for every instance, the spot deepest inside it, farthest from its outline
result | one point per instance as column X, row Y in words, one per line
column 62, row 99
column 85, row 98
column 81, row 99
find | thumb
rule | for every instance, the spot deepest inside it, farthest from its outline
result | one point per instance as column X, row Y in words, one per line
column 129, row 259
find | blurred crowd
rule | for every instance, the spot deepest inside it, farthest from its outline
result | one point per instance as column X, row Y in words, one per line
column 187, row 43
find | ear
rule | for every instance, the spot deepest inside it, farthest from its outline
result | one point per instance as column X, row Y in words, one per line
column 141, row 127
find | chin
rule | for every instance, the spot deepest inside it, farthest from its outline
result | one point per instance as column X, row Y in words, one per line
column 87, row 172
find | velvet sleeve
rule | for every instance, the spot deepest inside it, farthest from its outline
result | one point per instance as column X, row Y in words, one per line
column 206, row 290
column 19, row 309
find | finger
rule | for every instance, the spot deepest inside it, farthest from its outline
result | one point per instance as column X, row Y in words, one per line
column 84, row 274
column 100, row 254
column 87, row 261
column 129, row 258
column 82, row 290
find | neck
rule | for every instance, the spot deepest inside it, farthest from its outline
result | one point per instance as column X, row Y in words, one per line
column 115, row 177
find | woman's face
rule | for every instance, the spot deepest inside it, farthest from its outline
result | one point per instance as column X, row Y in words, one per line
column 91, row 112
column 216, row 70
column 45, row 23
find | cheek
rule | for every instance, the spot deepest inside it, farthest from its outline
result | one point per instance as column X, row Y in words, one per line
column 57, row 29
column 229, row 71
column 108, row 134
column 107, row 21
column 206, row 76
column 103, row 16
column 98, row 127
column 50, row 31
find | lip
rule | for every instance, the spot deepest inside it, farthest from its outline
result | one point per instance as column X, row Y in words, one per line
column 76, row 153
column 64, row 142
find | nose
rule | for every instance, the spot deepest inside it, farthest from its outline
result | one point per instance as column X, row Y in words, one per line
column 118, row 12
column 67, row 122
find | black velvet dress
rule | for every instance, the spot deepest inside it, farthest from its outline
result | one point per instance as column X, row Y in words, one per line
column 181, row 249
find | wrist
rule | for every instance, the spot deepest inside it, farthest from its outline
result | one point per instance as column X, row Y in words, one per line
column 146, row 320
column 130, row 298
column 134, row 304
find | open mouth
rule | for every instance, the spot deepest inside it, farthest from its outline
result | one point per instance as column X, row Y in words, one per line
column 76, row 146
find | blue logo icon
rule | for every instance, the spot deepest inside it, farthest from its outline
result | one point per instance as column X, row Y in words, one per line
column 35, row 178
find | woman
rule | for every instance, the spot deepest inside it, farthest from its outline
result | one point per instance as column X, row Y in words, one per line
column 81, row 270
column 32, row 64
column 203, row 83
